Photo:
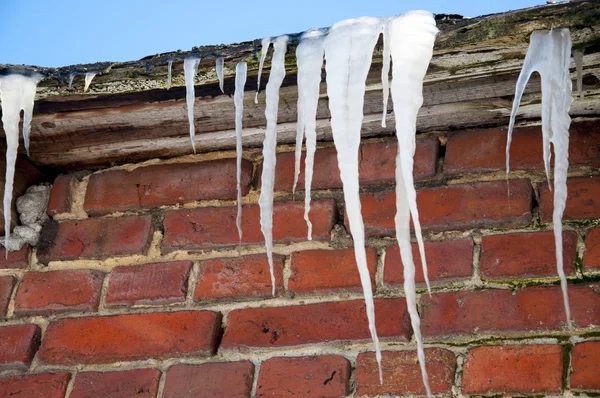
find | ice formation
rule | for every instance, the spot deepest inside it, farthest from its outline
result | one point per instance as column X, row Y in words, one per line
column 219, row 63
column 17, row 93
column 71, row 77
column 549, row 54
column 241, row 70
column 190, row 68
column 32, row 208
column 263, row 55
column 309, row 55
column 385, row 71
column 89, row 76
column 269, row 148
column 169, row 73
column 578, row 56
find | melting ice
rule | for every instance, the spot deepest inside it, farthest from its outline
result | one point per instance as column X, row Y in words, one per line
column 549, row 54
column 263, row 55
column 89, row 76
column 190, row 68
column 220, row 62
column 169, row 73
column 238, row 99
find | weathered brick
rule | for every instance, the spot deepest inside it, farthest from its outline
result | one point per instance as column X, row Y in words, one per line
column 585, row 362
column 461, row 206
column 99, row 238
column 6, row 286
column 315, row 376
column 61, row 195
column 525, row 254
column 582, row 195
column 488, row 311
column 517, row 369
column 238, row 277
column 314, row 323
column 139, row 383
column 47, row 385
column 484, row 150
column 402, row 373
column 18, row 345
column 326, row 271
column 591, row 257
column 377, row 165
column 45, row 293
column 446, row 260
column 165, row 184
column 209, row 227
column 226, row 379
column 130, row 337
column 18, row 259
column 160, row 283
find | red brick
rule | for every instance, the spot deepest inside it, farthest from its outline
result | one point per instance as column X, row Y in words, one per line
column 446, row 260
column 517, row 369
column 45, row 293
column 489, row 311
column 402, row 373
column 238, row 277
column 315, row 376
column 18, row 345
column 139, row 383
column 160, row 283
column 314, row 323
column 226, row 379
column 484, row 150
column 130, row 337
column 165, row 184
column 209, row 227
column 19, row 259
column 525, row 254
column 99, row 238
column 327, row 271
column 6, row 286
column 61, row 194
column 591, row 257
column 377, row 165
column 585, row 362
column 461, row 206
column 47, row 385
column 582, row 195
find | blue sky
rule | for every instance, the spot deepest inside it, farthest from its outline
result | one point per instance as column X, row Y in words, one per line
column 65, row 32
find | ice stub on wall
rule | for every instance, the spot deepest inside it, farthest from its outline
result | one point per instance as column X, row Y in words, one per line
column 578, row 57
column 263, row 55
column 385, row 70
column 241, row 70
column 549, row 54
column 219, row 63
column 190, row 68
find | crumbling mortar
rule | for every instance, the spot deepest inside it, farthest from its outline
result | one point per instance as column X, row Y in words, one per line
column 161, row 383
column 70, row 384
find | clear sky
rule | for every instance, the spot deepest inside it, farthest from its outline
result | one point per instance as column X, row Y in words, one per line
column 66, row 32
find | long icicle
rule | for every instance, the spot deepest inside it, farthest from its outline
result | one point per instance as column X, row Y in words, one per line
column 348, row 54
column 309, row 55
column 549, row 54
column 238, row 99
column 263, row 55
column 169, row 73
column 412, row 37
column 219, row 63
column 190, row 68
column 265, row 200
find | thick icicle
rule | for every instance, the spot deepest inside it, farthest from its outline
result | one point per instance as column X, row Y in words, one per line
column 17, row 93
column 89, row 76
column 270, row 146
column 263, row 55
column 220, row 62
column 169, row 73
column 578, row 56
column 385, row 71
column 549, row 54
column 348, row 54
column 411, row 37
column 190, row 68
column 238, row 99
column 309, row 55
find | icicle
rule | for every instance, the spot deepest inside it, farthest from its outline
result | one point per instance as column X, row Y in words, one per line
column 309, row 55
column 411, row 36
column 220, row 62
column 263, row 54
column 71, row 77
column 385, row 71
column 270, row 146
column 348, row 54
column 169, row 73
column 578, row 56
column 238, row 99
column 89, row 76
column 190, row 68
column 17, row 93
column 549, row 54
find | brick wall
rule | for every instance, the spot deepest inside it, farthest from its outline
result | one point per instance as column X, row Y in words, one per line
column 140, row 287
